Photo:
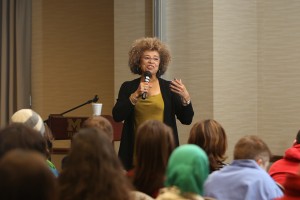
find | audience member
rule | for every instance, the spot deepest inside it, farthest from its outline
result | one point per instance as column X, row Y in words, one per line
column 101, row 123
column 246, row 177
column 154, row 144
column 211, row 137
column 289, row 164
column 25, row 175
column 19, row 136
column 188, row 168
column 30, row 118
column 98, row 122
column 93, row 170
column 33, row 120
column 292, row 187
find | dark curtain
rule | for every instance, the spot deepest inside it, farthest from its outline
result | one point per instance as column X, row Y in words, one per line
column 15, row 57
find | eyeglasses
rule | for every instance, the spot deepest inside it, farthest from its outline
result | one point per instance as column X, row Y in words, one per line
column 146, row 58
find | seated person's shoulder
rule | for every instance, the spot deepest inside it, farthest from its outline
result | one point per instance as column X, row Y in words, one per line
column 137, row 195
column 173, row 193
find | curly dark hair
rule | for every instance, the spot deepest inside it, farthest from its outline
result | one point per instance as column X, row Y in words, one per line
column 141, row 45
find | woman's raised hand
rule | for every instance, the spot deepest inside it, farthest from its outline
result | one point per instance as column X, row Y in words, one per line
column 178, row 87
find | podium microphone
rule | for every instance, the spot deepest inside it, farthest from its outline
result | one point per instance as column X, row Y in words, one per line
column 147, row 76
column 95, row 99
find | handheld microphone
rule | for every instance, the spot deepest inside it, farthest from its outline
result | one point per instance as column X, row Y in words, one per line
column 147, row 76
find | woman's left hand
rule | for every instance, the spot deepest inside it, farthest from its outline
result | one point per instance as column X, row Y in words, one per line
column 178, row 87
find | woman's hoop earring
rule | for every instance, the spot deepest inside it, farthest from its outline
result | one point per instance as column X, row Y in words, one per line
column 137, row 70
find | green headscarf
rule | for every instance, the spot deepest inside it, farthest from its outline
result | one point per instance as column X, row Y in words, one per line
column 188, row 168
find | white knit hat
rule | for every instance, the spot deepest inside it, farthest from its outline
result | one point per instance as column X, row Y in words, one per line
column 30, row 119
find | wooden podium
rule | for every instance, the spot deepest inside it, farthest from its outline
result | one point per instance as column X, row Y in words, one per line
column 63, row 128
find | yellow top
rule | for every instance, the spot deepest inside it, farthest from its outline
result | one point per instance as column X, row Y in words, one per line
column 145, row 109
column 150, row 108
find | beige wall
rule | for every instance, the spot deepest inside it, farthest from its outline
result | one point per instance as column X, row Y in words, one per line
column 235, row 67
column 279, row 72
column 239, row 60
column 256, row 45
column 189, row 34
column 73, row 55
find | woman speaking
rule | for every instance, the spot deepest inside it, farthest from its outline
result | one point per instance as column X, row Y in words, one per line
column 149, row 96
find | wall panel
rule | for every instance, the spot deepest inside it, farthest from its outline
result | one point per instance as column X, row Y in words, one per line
column 73, row 55
column 189, row 34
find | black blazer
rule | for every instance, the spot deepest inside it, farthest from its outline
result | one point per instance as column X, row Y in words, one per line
column 124, row 110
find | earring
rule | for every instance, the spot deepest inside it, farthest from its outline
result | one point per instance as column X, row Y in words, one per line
column 158, row 73
column 137, row 70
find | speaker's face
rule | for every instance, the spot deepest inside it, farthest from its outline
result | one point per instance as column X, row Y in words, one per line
column 150, row 62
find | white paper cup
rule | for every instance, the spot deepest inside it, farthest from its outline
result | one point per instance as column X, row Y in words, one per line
column 97, row 108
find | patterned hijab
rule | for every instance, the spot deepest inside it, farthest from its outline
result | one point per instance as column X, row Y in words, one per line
column 188, row 168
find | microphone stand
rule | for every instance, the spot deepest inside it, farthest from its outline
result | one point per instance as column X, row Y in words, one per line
column 94, row 100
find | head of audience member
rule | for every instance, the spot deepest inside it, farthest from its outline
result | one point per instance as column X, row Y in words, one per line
column 25, row 175
column 20, row 136
column 254, row 148
column 211, row 137
column 292, row 187
column 30, row 118
column 101, row 123
column 93, row 170
column 154, row 144
column 33, row 120
column 188, row 168
column 297, row 139
column 288, row 164
column 98, row 122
